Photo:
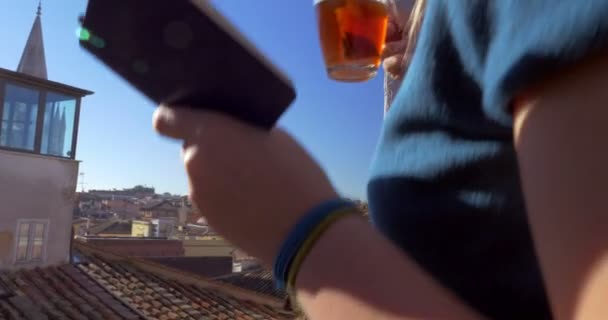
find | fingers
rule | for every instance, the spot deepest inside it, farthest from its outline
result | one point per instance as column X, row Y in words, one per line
column 399, row 12
column 394, row 48
column 188, row 123
column 394, row 59
column 394, row 32
column 394, row 66
column 177, row 123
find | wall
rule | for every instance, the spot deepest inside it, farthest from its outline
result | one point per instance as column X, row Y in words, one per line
column 36, row 187
column 163, row 227
column 113, row 235
column 141, row 229
column 207, row 248
column 134, row 247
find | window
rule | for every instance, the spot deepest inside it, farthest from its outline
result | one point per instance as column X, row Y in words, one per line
column 39, row 121
column 18, row 128
column 24, row 240
column 59, row 115
column 31, row 242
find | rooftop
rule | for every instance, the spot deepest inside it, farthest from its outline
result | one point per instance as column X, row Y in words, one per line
column 58, row 292
column 204, row 266
column 106, row 286
column 112, row 227
column 136, row 247
column 157, row 297
column 43, row 83
column 260, row 281
column 159, row 204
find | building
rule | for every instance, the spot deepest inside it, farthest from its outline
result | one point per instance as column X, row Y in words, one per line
column 38, row 167
column 80, row 226
column 87, row 202
column 155, row 228
column 141, row 229
column 138, row 192
column 134, row 247
column 160, row 209
column 207, row 247
column 124, row 208
column 110, row 228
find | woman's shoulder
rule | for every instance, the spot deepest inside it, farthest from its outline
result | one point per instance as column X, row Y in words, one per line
column 510, row 45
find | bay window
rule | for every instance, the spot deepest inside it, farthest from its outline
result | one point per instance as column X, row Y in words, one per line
column 38, row 120
column 19, row 118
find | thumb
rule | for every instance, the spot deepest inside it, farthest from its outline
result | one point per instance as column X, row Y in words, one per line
column 177, row 122
column 394, row 66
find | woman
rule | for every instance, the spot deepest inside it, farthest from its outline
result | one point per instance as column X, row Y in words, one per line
column 495, row 91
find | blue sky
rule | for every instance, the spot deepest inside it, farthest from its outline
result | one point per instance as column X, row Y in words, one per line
column 338, row 123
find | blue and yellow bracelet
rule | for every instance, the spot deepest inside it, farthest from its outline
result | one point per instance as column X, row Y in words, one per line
column 303, row 237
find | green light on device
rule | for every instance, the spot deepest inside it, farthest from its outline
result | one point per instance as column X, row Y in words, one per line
column 83, row 34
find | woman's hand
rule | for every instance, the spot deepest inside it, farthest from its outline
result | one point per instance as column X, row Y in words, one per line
column 251, row 185
column 395, row 61
column 394, row 51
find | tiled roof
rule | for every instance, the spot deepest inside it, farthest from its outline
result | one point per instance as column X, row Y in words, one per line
column 158, row 297
column 157, row 204
column 104, row 288
column 64, row 292
column 259, row 280
column 204, row 266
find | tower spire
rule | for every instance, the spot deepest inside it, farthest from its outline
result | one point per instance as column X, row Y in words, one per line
column 33, row 61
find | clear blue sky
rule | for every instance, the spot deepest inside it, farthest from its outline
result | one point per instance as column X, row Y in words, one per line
column 338, row 123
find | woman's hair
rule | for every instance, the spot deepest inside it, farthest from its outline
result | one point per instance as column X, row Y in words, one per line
column 413, row 28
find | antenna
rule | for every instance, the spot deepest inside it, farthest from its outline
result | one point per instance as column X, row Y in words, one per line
column 82, row 183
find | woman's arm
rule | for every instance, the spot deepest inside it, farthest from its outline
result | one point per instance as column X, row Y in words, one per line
column 354, row 273
column 561, row 136
column 351, row 273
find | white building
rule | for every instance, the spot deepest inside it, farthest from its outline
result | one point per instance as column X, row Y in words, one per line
column 38, row 168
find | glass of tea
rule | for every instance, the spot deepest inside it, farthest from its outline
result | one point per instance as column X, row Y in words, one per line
column 352, row 34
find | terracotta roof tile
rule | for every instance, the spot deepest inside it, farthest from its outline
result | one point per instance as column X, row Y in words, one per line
column 203, row 266
column 107, row 289
column 156, row 297
column 58, row 293
column 258, row 280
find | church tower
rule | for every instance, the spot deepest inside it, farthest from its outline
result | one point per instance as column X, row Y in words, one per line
column 33, row 61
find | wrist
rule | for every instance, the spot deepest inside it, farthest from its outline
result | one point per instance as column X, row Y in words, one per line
column 272, row 221
column 304, row 235
column 332, row 252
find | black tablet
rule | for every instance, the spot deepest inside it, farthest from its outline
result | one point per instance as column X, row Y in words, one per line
column 183, row 52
